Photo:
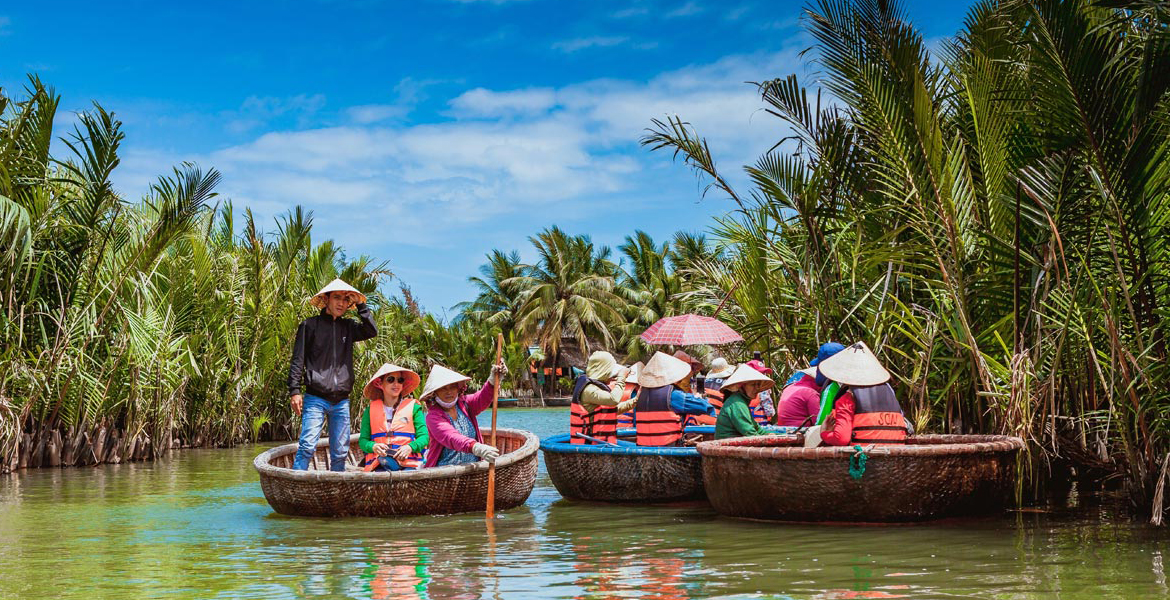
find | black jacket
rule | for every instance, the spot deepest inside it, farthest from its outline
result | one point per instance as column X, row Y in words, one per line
column 322, row 356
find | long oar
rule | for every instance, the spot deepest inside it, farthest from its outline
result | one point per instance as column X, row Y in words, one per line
column 491, row 491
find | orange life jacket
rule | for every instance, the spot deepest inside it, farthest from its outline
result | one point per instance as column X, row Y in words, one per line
column 715, row 399
column 401, row 432
column 877, row 417
column 600, row 423
column 657, row 425
column 757, row 409
column 626, row 419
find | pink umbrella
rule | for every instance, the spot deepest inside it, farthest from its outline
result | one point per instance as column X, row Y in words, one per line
column 689, row 330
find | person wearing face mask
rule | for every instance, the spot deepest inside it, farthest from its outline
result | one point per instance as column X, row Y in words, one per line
column 320, row 375
column 735, row 419
column 394, row 427
column 801, row 399
column 455, row 438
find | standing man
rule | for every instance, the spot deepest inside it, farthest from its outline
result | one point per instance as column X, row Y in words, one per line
column 322, row 360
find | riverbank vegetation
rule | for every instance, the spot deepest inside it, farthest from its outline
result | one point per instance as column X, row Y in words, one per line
column 990, row 215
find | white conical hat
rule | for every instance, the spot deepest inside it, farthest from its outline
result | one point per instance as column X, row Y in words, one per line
column 744, row 374
column 855, row 365
column 635, row 370
column 811, row 371
column 440, row 376
column 663, row 369
column 720, row 368
column 373, row 389
column 336, row 285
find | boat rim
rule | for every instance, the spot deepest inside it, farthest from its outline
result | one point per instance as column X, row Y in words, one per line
column 937, row 445
column 265, row 467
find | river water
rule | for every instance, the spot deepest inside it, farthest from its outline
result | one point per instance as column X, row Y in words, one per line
column 196, row 526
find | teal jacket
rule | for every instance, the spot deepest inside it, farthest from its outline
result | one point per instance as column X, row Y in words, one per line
column 735, row 418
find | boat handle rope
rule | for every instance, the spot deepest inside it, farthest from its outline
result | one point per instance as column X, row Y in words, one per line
column 857, row 461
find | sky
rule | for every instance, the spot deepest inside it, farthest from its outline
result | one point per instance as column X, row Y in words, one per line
column 426, row 133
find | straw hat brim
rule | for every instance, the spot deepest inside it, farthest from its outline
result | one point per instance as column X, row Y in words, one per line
column 663, row 369
column 373, row 390
column 440, row 377
column 336, row 285
column 745, row 374
column 635, row 370
column 856, row 365
column 811, row 371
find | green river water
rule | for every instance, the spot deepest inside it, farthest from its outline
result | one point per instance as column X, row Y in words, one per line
column 196, row 525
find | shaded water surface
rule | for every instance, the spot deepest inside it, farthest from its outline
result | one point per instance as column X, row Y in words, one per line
column 197, row 526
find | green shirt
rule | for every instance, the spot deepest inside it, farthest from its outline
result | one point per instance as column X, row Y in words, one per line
column 421, row 439
column 735, row 418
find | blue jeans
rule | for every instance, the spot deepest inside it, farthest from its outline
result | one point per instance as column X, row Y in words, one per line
column 313, row 415
column 386, row 463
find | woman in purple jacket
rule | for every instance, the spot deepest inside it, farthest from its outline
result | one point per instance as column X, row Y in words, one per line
column 455, row 436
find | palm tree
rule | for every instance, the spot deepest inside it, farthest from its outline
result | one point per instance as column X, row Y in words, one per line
column 498, row 293
column 568, row 293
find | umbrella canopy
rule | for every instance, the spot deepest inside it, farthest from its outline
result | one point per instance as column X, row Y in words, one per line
column 689, row 330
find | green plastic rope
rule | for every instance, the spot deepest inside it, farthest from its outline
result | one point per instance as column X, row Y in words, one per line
column 857, row 463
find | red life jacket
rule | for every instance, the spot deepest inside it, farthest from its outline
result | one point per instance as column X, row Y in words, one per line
column 758, row 414
column 715, row 398
column 600, row 423
column 877, row 417
column 626, row 419
column 657, row 424
column 401, row 432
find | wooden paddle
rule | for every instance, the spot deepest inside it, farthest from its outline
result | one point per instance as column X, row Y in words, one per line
column 491, row 491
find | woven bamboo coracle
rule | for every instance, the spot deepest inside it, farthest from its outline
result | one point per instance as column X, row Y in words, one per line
column 931, row 477
column 318, row 492
column 623, row 473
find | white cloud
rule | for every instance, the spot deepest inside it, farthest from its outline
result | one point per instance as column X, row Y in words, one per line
column 5, row 26
column 482, row 102
column 691, row 8
column 374, row 113
column 257, row 111
column 578, row 44
column 501, row 154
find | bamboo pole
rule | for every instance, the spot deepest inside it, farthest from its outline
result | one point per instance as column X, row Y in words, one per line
column 491, row 490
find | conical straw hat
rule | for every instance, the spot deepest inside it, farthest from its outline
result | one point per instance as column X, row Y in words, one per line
column 855, row 365
column 811, row 371
column 635, row 370
column 696, row 364
column 744, row 374
column 373, row 389
column 336, row 285
column 440, row 376
column 663, row 369
column 720, row 368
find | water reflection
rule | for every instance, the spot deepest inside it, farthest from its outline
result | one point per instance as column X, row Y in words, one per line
column 197, row 526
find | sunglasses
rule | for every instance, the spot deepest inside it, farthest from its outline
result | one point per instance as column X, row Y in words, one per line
column 392, row 379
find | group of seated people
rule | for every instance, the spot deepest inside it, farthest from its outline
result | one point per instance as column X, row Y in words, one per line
column 439, row 429
column 659, row 399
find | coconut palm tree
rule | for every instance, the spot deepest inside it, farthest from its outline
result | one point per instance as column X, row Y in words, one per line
column 568, row 293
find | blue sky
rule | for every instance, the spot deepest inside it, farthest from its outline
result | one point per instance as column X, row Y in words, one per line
column 427, row 132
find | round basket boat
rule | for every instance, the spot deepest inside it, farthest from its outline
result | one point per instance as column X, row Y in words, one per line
column 438, row 490
column 624, row 473
column 931, row 477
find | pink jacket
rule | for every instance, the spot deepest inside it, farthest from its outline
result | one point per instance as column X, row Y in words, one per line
column 798, row 401
column 444, row 434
